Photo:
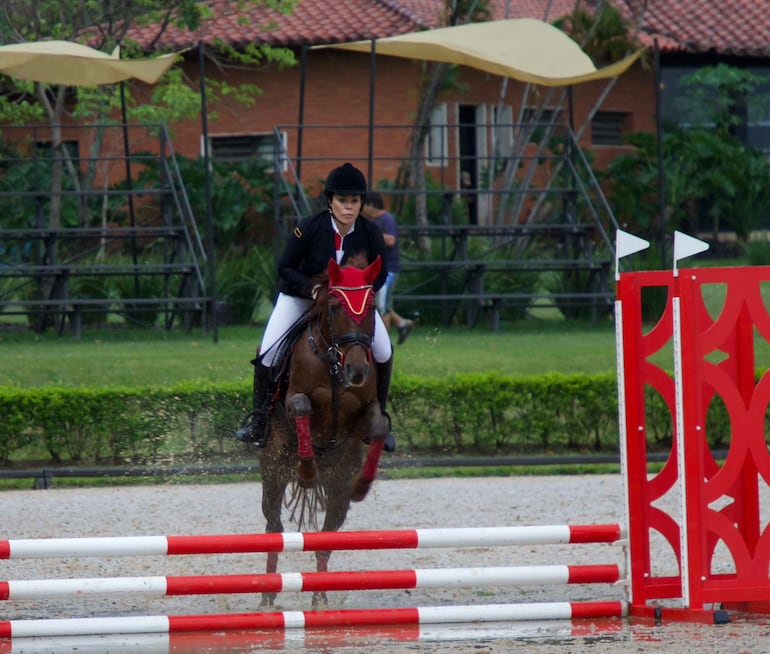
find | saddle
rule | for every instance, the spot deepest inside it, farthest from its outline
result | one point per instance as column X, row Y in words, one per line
column 279, row 371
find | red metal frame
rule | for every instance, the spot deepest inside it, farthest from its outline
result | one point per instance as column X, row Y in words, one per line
column 721, row 501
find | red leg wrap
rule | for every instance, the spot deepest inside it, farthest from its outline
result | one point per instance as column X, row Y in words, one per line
column 369, row 471
column 304, row 440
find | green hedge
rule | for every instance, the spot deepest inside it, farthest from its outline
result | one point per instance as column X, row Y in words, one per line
column 459, row 414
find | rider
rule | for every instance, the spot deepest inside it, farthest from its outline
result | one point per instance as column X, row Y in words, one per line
column 338, row 232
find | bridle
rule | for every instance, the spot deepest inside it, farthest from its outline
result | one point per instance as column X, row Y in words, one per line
column 334, row 350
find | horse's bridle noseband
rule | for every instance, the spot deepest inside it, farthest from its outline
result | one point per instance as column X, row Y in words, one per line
column 334, row 354
column 337, row 356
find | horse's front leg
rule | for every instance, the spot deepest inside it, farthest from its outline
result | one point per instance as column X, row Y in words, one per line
column 322, row 565
column 337, row 505
column 378, row 430
column 307, row 469
column 275, row 470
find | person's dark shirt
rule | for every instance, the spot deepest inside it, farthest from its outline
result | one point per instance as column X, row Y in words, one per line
column 311, row 245
column 387, row 224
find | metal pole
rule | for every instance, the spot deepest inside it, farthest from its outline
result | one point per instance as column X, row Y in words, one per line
column 129, row 188
column 372, row 85
column 301, row 119
column 661, row 176
column 209, row 209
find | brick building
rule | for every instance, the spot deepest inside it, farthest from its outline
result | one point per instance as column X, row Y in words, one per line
column 336, row 113
column 333, row 107
column 336, row 91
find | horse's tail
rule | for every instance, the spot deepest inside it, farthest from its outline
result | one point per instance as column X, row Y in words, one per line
column 305, row 505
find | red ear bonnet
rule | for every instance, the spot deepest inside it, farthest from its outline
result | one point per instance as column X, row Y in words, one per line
column 353, row 287
column 371, row 272
column 334, row 272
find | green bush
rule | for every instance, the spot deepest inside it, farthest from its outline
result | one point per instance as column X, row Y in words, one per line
column 462, row 414
column 92, row 287
column 241, row 199
column 244, row 281
column 486, row 413
column 119, row 425
column 455, row 281
column 758, row 252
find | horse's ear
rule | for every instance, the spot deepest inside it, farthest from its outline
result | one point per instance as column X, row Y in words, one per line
column 334, row 271
column 371, row 272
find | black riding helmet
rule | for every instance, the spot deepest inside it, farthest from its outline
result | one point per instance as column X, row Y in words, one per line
column 345, row 180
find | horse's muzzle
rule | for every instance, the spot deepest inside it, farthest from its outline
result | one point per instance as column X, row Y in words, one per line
column 355, row 358
column 355, row 373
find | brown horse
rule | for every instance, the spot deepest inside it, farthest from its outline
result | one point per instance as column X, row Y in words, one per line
column 330, row 408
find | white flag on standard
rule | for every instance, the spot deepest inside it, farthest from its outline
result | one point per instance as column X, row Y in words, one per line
column 686, row 246
column 626, row 244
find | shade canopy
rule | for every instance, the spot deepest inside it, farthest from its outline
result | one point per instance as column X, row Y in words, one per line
column 523, row 49
column 71, row 64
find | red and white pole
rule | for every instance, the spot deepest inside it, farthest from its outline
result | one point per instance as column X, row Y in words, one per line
column 309, row 619
column 309, row 541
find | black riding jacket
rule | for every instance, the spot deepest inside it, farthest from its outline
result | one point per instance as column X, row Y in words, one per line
column 311, row 245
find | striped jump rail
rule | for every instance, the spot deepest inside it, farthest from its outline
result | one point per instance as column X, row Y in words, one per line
column 310, row 619
column 313, row 581
column 309, row 541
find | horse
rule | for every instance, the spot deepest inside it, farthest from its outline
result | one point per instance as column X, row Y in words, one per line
column 329, row 410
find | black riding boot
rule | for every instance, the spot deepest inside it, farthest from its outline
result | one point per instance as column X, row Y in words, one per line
column 254, row 427
column 384, row 371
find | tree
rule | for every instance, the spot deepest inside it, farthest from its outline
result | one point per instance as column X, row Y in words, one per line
column 707, row 169
column 103, row 25
column 436, row 77
column 605, row 36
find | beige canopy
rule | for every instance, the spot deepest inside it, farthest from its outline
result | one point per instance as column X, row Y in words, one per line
column 524, row 49
column 71, row 64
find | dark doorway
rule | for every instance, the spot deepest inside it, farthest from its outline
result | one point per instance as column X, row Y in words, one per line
column 469, row 159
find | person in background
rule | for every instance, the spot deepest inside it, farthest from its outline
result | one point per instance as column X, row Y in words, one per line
column 468, row 193
column 374, row 210
column 338, row 232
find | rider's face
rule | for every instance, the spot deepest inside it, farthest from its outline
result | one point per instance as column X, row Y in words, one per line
column 345, row 208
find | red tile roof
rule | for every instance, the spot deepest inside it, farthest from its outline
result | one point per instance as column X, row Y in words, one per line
column 728, row 27
column 313, row 22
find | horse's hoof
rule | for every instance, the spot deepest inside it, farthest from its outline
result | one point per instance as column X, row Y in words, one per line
column 307, row 484
column 307, row 473
column 360, row 489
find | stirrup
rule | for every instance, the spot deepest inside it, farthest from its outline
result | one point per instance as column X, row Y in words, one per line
column 253, row 430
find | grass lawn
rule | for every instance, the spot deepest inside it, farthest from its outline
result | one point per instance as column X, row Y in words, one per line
column 157, row 358
column 144, row 357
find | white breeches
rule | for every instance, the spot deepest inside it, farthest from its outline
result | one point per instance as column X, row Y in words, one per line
column 288, row 309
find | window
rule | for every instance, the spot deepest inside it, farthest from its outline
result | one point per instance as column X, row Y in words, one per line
column 542, row 116
column 436, row 143
column 234, row 148
column 608, row 127
column 72, row 148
